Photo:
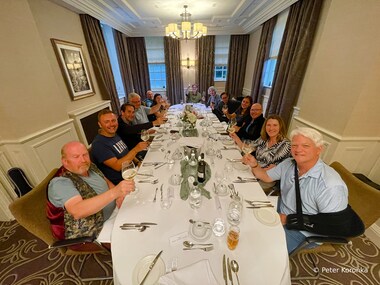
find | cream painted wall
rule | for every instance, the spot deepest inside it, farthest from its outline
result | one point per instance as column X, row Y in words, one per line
column 342, row 78
column 33, row 93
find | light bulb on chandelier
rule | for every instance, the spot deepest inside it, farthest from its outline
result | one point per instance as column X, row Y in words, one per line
column 187, row 30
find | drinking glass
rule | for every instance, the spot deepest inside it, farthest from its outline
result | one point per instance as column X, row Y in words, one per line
column 233, row 237
column 235, row 210
column 247, row 146
column 219, row 227
column 129, row 171
column 144, row 135
column 230, row 128
column 166, row 201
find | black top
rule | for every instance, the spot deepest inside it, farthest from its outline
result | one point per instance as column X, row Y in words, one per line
column 232, row 106
column 251, row 128
column 130, row 134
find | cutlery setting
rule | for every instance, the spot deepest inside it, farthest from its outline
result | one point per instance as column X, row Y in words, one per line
column 154, row 181
column 229, row 267
column 259, row 204
column 137, row 226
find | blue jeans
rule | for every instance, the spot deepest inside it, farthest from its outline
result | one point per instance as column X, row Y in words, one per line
column 294, row 238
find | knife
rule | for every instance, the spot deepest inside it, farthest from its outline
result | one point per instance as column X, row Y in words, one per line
column 162, row 185
column 224, row 270
column 162, row 164
column 230, row 271
column 151, row 267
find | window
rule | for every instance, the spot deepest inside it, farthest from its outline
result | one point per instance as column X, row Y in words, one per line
column 156, row 62
column 270, row 63
column 111, row 49
column 222, row 45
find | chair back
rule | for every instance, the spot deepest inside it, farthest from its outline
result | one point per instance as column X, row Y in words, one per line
column 19, row 180
column 30, row 211
column 364, row 199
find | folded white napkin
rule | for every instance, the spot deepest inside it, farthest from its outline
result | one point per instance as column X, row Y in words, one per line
column 191, row 141
column 196, row 273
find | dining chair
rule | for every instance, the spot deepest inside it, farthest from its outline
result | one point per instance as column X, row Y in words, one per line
column 19, row 180
column 364, row 200
column 30, row 212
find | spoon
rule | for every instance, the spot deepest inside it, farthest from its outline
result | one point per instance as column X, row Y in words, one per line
column 235, row 269
column 191, row 244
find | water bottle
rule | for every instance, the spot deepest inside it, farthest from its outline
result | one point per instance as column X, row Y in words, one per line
column 195, row 198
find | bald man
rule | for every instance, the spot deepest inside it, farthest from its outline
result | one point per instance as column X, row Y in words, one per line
column 80, row 198
column 251, row 127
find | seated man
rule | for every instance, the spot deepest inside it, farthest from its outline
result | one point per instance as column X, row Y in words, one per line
column 225, row 101
column 129, row 133
column 322, row 189
column 142, row 112
column 251, row 126
column 108, row 150
column 80, row 198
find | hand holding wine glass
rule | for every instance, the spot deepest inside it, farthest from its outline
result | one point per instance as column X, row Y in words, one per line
column 128, row 170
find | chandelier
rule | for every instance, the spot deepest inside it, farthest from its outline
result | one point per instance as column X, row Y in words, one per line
column 187, row 29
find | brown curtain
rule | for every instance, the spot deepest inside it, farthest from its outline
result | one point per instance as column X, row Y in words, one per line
column 205, row 53
column 100, row 60
column 138, row 64
column 262, row 55
column 174, row 81
column 237, row 61
column 293, row 57
column 124, row 65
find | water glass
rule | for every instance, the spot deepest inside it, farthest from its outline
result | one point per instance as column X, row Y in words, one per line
column 233, row 237
column 166, row 201
column 235, row 210
column 219, row 227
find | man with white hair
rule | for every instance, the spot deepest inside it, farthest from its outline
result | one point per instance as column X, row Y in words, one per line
column 322, row 189
column 142, row 112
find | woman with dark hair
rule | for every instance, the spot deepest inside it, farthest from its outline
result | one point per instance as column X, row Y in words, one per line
column 242, row 112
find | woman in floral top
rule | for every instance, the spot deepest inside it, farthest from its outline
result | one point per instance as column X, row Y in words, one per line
column 272, row 147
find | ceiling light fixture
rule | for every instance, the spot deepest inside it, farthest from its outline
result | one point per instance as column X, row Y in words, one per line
column 187, row 29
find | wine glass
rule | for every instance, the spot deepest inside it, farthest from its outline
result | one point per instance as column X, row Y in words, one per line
column 247, row 146
column 144, row 135
column 231, row 128
column 129, row 171
column 233, row 121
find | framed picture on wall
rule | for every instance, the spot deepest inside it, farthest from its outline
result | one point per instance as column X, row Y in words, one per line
column 74, row 68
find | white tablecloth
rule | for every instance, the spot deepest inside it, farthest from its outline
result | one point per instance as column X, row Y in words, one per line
column 261, row 252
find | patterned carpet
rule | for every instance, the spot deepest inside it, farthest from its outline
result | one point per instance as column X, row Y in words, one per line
column 25, row 259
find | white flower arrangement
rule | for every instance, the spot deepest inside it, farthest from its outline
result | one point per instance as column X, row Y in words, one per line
column 189, row 117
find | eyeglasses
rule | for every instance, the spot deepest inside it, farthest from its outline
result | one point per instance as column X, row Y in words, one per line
column 255, row 110
column 135, row 102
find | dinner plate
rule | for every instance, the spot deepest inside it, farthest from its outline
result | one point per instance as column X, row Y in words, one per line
column 267, row 216
column 204, row 237
column 142, row 268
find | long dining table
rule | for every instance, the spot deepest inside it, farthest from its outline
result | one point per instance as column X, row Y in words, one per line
column 261, row 252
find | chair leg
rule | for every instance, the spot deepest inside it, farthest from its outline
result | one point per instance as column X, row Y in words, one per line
column 310, row 257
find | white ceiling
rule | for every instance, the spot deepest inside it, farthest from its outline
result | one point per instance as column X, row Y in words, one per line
column 149, row 17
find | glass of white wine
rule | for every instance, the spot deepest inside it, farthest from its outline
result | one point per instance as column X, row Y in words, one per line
column 224, row 109
column 129, row 171
column 231, row 128
column 144, row 135
column 247, row 146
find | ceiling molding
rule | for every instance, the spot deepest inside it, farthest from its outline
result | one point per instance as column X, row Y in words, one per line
column 149, row 17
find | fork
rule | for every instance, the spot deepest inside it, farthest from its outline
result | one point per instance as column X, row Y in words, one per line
column 209, row 248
